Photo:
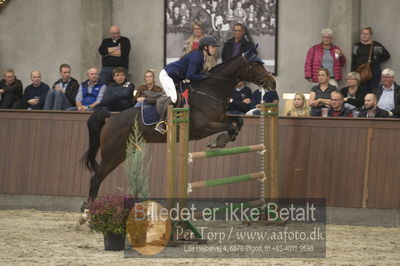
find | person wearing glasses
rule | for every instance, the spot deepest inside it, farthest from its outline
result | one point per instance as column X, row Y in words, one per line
column 388, row 93
column 236, row 45
column 337, row 108
column 192, row 43
column 114, row 52
column 354, row 93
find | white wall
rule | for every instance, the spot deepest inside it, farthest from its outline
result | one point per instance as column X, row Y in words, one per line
column 40, row 35
column 143, row 23
column 300, row 25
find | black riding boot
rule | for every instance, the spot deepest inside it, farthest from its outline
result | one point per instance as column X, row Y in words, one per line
column 161, row 127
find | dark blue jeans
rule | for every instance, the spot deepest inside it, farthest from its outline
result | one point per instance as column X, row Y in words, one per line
column 106, row 75
column 56, row 100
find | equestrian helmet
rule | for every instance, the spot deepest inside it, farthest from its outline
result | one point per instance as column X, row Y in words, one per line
column 207, row 40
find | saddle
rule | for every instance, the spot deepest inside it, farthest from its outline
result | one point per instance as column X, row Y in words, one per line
column 154, row 107
column 160, row 98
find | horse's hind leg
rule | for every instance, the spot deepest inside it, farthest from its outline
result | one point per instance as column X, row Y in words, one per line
column 95, row 181
column 105, row 167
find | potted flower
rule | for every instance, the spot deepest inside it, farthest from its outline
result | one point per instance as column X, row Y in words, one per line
column 108, row 215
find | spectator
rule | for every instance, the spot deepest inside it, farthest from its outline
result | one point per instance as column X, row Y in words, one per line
column 361, row 53
column 324, row 54
column 320, row 95
column 10, row 89
column 63, row 93
column 241, row 98
column 337, row 107
column 388, row 94
column 354, row 93
column 192, row 44
column 119, row 94
column 115, row 53
column 371, row 109
column 34, row 95
column 236, row 45
column 90, row 92
column 300, row 107
column 269, row 97
column 150, row 84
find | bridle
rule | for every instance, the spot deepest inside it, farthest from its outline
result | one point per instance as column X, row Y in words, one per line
column 235, row 79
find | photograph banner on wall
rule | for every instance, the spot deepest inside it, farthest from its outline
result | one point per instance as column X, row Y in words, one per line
column 217, row 18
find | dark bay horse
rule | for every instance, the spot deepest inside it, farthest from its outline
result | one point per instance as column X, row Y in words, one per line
column 208, row 101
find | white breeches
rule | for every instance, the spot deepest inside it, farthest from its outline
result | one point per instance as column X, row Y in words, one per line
column 168, row 85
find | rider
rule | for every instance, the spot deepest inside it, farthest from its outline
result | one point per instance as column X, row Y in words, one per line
column 188, row 67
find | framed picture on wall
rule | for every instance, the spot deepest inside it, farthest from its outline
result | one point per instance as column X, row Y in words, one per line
column 217, row 17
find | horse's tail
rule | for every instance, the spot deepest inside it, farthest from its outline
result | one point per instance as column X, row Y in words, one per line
column 95, row 122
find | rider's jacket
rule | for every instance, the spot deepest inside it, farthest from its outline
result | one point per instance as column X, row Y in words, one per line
column 188, row 67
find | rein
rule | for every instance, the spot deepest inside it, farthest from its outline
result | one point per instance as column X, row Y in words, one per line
column 208, row 95
column 222, row 78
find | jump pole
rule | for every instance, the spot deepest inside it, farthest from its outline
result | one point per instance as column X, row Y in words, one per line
column 225, row 181
column 224, row 152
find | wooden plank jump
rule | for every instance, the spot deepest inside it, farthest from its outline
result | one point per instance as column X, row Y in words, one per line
column 226, row 151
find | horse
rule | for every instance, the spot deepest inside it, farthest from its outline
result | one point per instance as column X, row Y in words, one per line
column 208, row 100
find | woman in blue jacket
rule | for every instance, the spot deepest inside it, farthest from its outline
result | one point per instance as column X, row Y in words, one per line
column 188, row 67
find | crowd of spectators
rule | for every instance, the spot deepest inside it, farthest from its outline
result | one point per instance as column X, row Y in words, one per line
column 375, row 96
column 110, row 89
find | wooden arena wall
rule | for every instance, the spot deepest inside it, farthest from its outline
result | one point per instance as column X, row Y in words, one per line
column 350, row 162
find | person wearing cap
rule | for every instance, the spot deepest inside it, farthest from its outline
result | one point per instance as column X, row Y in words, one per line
column 188, row 67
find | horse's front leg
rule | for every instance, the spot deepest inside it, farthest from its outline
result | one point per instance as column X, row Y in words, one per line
column 231, row 124
column 237, row 123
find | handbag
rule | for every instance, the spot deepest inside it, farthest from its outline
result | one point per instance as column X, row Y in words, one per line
column 365, row 69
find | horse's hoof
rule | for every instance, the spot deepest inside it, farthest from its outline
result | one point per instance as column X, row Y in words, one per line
column 84, row 217
column 222, row 140
column 84, row 206
column 212, row 145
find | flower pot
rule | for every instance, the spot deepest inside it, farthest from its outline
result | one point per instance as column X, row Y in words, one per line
column 114, row 242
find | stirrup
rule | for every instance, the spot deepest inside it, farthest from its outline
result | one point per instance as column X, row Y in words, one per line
column 159, row 128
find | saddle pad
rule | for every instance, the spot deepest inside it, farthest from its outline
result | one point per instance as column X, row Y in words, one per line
column 149, row 114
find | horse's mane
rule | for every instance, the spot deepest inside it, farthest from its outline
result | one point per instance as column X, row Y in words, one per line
column 222, row 65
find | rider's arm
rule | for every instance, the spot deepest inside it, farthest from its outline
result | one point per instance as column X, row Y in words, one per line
column 194, row 68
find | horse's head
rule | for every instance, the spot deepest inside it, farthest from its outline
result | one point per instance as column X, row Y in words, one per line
column 255, row 71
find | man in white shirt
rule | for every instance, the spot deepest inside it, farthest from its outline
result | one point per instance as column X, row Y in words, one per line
column 388, row 93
